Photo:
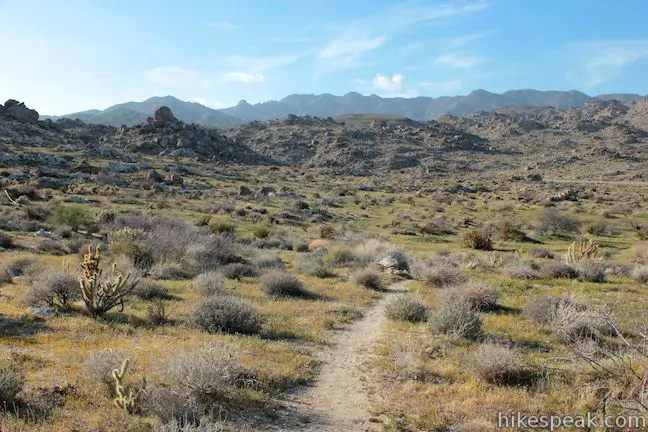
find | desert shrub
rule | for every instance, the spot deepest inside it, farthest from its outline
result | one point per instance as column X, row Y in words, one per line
column 406, row 308
column 300, row 247
column 140, row 255
column 12, row 382
column 220, row 227
column 38, row 212
column 368, row 278
column 640, row 274
column 339, row 256
column 169, row 272
column 156, row 313
column 177, row 412
column 6, row 241
column 151, row 291
column 553, row 223
column 478, row 295
column 126, row 235
column 209, row 283
column 499, row 365
column 101, row 364
column 545, row 309
column 369, row 251
column 190, row 427
column 506, row 229
column 327, row 232
column 204, row 375
column 19, row 266
column 317, row 268
column 238, row 271
column 268, row 262
column 227, row 314
column 560, row 270
column 456, row 318
column 518, row 269
column 50, row 246
column 476, row 238
column 282, row 284
column 261, row 232
column 52, row 289
column 209, row 254
column 441, row 274
column 436, row 227
column 400, row 257
column 73, row 217
column 601, row 229
column 541, row 253
column 590, row 270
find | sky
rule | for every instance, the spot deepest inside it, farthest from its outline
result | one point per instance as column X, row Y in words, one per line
column 67, row 56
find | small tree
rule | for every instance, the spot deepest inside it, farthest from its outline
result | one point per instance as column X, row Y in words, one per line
column 99, row 295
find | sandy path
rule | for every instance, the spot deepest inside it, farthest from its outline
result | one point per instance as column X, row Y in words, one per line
column 341, row 399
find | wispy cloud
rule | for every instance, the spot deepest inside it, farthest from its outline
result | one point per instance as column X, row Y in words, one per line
column 350, row 46
column 415, row 12
column 456, row 61
column 597, row 62
column 259, row 64
column 243, row 77
column 222, row 25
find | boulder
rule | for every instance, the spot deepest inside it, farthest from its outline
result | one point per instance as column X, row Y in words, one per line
column 244, row 191
column 174, row 179
column 154, row 176
column 19, row 111
column 85, row 168
column 164, row 114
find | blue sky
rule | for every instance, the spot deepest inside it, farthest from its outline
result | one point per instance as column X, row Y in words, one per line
column 72, row 55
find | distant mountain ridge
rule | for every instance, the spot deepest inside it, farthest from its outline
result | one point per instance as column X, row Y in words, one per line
column 328, row 105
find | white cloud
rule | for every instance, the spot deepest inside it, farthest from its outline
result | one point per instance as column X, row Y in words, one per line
column 441, row 86
column 456, row 61
column 222, row 25
column 350, row 46
column 388, row 84
column 243, row 77
column 413, row 12
column 598, row 62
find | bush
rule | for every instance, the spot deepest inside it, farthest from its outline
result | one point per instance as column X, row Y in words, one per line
column 220, row 227
column 640, row 274
column 211, row 253
column 541, row 253
column 12, row 382
column 501, row 366
column 283, row 285
column 406, row 308
column 560, row 270
column 101, row 364
column 640, row 251
column 261, row 232
column 300, row 247
column 156, row 313
column 601, row 229
column 169, row 272
column 590, row 270
column 368, row 278
column 54, row 247
column 227, row 314
column 441, row 274
column 178, row 412
column 553, row 223
column 545, row 309
column 73, row 217
column 316, row 268
column 238, row 271
column 456, row 318
column 476, row 238
column 339, row 256
column 141, row 256
column 327, row 232
column 150, row 291
column 402, row 259
column 507, row 230
column 209, row 283
column 369, row 251
column 19, row 266
column 57, row 288
column 268, row 262
column 478, row 295
column 521, row 270
column 6, row 241
column 204, row 374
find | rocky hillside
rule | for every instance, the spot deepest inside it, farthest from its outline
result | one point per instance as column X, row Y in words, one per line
column 356, row 146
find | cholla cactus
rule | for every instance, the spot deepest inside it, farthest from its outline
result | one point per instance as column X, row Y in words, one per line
column 100, row 296
column 125, row 235
column 586, row 250
column 125, row 400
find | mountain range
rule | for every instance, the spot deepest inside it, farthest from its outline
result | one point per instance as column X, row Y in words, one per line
column 328, row 105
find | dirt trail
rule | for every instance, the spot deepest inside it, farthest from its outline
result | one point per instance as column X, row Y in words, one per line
column 341, row 399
